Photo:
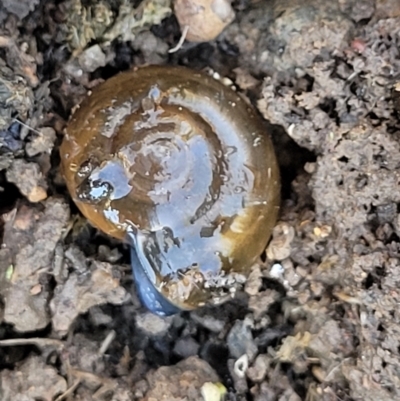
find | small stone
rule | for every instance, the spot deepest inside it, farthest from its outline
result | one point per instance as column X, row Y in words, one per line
column 92, row 58
column 276, row 271
column 205, row 19
column 317, row 288
column 244, row 79
column 304, row 297
column 37, row 194
column 388, row 8
column 28, row 178
column 258, row 370
column 140, row 389
column 20, row 8
column 154, row 50
column 36, row 289
column 153, row 325
column 209, row 322
column 98, row 317
column 42, row 142
column 279, row 247
column 292, row 278
column 322, row 231
column 254, row 281
column 186, row 346
column 240, row 340
column 260, row 303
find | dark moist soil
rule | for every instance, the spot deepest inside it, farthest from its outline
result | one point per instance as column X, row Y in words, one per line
column 319, row 315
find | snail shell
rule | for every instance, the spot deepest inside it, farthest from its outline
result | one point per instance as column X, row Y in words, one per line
column 181, row 167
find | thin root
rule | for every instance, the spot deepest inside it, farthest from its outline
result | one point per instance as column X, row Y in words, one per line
column 181, row 40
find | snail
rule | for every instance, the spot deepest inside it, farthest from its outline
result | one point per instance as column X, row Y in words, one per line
column 180, row 167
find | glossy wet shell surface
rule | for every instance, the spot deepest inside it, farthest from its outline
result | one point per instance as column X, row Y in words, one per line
column 183, row 163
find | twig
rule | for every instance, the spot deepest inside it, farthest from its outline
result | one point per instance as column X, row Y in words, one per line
column 27, row 126
column 69, row 390
column 107, row 341
column 40, row 342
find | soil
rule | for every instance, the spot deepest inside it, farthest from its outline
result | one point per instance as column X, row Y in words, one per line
column 318, row 317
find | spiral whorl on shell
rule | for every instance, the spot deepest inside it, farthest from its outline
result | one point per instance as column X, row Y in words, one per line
column 181, row 167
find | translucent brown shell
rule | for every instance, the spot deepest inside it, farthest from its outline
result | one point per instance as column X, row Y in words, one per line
column 181, row 167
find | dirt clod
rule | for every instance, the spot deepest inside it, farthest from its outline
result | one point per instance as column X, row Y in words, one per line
column 25, row 384
column 180, row 382
column 29, row 180
column 83, row 290
column 30, row 237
